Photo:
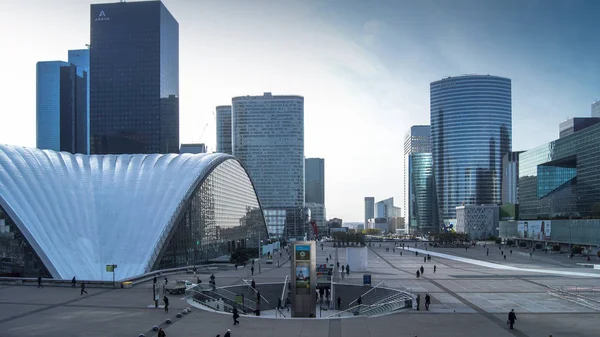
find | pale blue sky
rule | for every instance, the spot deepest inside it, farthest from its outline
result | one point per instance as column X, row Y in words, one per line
column 364, row 68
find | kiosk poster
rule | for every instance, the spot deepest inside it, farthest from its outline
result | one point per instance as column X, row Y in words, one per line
column 302, row 278
column 302, row 253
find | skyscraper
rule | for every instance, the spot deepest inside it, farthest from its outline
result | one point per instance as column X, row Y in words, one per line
column 315, row 180
column 268, row 138
column 134, row 93
column 596, row 109
column 369, row 209
column 420, row 207
column 224, row 129
column 61, row 107
column 81, row 59
column 471, row 128
column 510, row 178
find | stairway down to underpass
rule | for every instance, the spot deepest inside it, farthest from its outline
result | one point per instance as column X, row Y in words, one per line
column 349, row 294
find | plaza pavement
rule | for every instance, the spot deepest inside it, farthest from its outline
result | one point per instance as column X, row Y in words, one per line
column 467, row 300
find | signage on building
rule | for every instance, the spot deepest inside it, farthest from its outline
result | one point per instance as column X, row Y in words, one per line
column 367, row 279
column 102, row 17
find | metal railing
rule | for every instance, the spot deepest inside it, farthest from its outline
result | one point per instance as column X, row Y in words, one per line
column 390, row 303
column 283, row 291
column 205, row 291
column 255, row 291
column 575, row 298
column 368, row 291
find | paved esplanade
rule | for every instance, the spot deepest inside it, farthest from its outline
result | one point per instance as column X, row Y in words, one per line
column 467, row 299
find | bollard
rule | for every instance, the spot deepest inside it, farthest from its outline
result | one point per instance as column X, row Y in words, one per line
column 179, row 315
column 168, row 321
column 155, row 328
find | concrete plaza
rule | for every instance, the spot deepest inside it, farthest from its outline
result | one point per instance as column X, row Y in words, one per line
column 471, row 295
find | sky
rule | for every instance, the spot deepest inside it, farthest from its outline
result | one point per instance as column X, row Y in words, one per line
column 363, row 67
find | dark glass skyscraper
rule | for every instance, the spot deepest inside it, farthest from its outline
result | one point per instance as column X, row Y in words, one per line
column 471, row 128
column 134, row 97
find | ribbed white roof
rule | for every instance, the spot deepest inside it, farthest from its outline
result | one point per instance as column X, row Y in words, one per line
column 82, row 212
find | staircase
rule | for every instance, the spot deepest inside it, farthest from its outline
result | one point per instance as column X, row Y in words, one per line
column 349, row 294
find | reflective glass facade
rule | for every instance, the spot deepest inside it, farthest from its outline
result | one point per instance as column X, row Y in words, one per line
column 224, row 129
column 61, row 107
column 422, row 202
column 222, row 214
column 17, row 256
column 417, row 140
column 81, row 59
column 134, row 93
column 268, row 138
column 561, row 179
column 471, row 128
column 369, row 209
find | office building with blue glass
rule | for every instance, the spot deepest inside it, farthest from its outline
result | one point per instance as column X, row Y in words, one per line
column 134, row 92
column 420, row 202
column 224, row 129
column 61, row 107
column 471, row 128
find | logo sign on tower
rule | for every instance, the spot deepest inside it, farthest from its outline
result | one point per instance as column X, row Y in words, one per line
column 102, row 17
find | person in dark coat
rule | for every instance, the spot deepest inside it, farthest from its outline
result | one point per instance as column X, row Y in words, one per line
column 166, row 300
column 512, row 317
column 418, row 302
column 161, row 333
column 73, row 283
column 235, row 316
column 228, row 333
column 427, row 301
column 347, row 269
column 422, row 270
column 40, row 282
column 339, row 303
column 83, row 288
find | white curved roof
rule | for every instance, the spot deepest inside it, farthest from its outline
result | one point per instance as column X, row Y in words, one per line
column 82, row 212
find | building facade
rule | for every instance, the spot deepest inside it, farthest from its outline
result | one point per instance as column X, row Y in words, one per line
column 422, row 210
column 318, row 215
column 510, row 178
column 134, row 92
column 224, row 129
column 61, row 107
column 420, row 202
column 81, row 59
column 479, row 221
column 386, row 209
column 268, row 138
column 77, row 213
column 572, row 125
column 471, row 128
column 560, row 179
column 369, row 210
column 194, row 148
column 596, row 109
column 314, row 180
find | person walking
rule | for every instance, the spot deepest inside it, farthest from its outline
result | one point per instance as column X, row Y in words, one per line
column 339, row 303
column 228, row 333
column 83, row 288
column 427, row 301
column 161, row 333
column 166, row 300
column 252, row 270
column 347, row 269
column 418, row 302
column 512, row 317
column 236, row 315
column 424, row 259
column 253, row 284
column 422, row 270
column 434, row 268
column 418, row 273
column 73, row 283
column 40, row 282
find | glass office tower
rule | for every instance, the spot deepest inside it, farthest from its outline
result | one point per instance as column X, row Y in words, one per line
column 81, row 59
column 61, row 107
column 224, row 129
column 268, row 138
column 134, row 92
column 314, row 179
column 471, row 128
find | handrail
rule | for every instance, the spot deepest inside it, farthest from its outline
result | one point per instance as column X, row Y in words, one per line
column 234, row 294
column 349, row 309
column 244, row 307
column 214, row 299
column 388, row 300
column 281, row 313
column 285, row 283
column 256, row 291
column 368, row 291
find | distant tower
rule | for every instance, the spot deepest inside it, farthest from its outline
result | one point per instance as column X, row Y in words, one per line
column 369, row 210
column 224, row 129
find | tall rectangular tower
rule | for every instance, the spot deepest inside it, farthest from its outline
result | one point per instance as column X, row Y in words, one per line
column 596, row 109
column 314, row 179
column 134, row 93
column 81, row 59
column 61, row 107
column 224, row 129
column 268, row 138
column 369, row 210
column 420, row 207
